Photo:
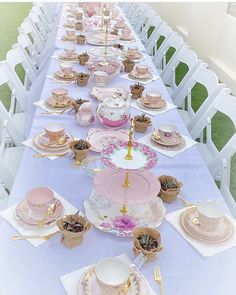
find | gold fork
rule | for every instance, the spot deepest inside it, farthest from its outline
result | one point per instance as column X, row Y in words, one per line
column 48, row 155
column 45, row 237
column 186, row 203
column 158, row 278
column 51, row 209
column 53, row 112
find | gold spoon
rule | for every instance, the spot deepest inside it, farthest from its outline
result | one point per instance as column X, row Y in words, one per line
column 53, row 112
column 48, row 155
column 51, row 209
column 126, row 286
column 45, row 237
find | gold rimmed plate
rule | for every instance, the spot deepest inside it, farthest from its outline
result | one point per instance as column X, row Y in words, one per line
column 55, row 148
column 161, row 103
column 173, row 141
column 59, row 75
column 52, row 103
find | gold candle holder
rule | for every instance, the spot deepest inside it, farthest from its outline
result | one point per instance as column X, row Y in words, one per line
column 130, row 142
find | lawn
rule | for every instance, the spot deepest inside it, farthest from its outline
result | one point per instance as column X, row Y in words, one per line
column 11, row 16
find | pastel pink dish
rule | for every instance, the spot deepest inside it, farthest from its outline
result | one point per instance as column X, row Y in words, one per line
column 59, row 94
column 142, row 69
column 70, row 51
column 153, row 97
column 54, row 131
column 125, row 33
column 132, row 50
column 39, row 199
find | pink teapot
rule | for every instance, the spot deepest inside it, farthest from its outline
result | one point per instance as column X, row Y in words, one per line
column 84, row 116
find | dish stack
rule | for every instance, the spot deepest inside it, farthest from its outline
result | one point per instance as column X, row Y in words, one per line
column 125, row 191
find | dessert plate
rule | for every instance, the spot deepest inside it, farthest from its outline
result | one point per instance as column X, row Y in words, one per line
column 222, row 233
column 110, row 37
column 88, row 284
column 46, row 142
column 135, row 75
column 93, row 41
column 144, row 186
column 130, row 38
column 137, row 56
column 100, row 138
column 24, row 215
column 174, row 140
column 102, row 93
column 161, row 103
column 110, row 52
column 105, row 215
column 51, row 102
column 68, row 38
column 144, row 157
column 64, row 77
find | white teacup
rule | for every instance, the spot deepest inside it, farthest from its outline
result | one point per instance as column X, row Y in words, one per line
column 167, row 131
column 132, row 50
column 100, row 78
column 142, row 69
column 153, row 97
column 112, row 275
column 66, row 67
column 210, row 213
column 70, row 51
column 54, row 131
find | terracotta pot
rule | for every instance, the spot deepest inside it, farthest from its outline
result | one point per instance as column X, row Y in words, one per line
column 79, row 26
column 141, row 126
column 79, row 155
column 70, row 239
column 82, row 79
column 136, row 91
column 83, row 58
column 169, row 195
column 80, row 39
column 128, row 65
column 140, row 231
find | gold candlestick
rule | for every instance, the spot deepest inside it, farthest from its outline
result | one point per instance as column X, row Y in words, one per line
column 130, row 142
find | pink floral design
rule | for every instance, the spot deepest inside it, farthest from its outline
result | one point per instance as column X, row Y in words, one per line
column 125, row 222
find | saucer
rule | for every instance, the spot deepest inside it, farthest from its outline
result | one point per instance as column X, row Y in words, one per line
column 173, row 141
column 46, row 142
column 160, row 104
column 134, row 74
column 88, row 284
column 68, row 38
column 130, row 38
column 137, row 56
column 24, row 215
column 65, row 77
column 222, row 233
column 119, row 27
column 64, row 57
column 51, row 102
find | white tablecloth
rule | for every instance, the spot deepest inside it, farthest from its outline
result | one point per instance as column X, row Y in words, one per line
column 27, row 270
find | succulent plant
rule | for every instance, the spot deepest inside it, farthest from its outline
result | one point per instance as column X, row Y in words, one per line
column 81, row 145
column 119, row 46
column 147, row 242
column 137, row 85
column 77, row 103
column 142, row 118
column 81, row 36
column 84, row 54
column 168, row 184
column 82, row 75
column 73, row 226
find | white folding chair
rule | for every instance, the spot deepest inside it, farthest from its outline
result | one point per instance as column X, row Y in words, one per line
column 173, row 43
column 3, row 197
column 159, row 35
column 142, row 21
column 209, row 80
column 152, row 24
column 9, row 158
column 186, row 58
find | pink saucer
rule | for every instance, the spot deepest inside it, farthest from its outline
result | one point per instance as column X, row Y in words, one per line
column 140, row 76
column 24, row 214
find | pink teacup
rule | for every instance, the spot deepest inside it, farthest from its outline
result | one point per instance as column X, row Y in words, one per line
column 115, row 12
column 39, row 199
column 70, row 33
column 125, row 33
column 70, row 51
column 120, row 22
column 132, row 50
column 100, row 78
column 153, row 97
column 66, row 67
column 59, row 94
column 142, row 69
column 54, row 131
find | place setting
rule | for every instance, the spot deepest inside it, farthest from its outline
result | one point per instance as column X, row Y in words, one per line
column 57, row 104
column 152, row 103
column 68, row 55
column 133, row 54
column 51, row 143
column 64, row 75
column 167, row 140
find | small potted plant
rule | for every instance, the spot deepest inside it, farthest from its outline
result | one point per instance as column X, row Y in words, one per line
column 79, row 26
column 81, row 39
column 72, row 229
column 170, row 188
column 80, row 148
column 82, row 79
column 83, row 58
column 128, row 65
column 76, row 104
column 114, row 31
column 136, row 90
column 141, row 123
column 147, row 241
column 119, row 46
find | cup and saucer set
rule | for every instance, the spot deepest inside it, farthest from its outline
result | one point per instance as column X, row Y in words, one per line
column 152, row 100
column 40, row 206
column 133, row 53
column 125, row 35
column 54, row 139
column 112, row 276
column 207, row 222
column 167, row 136
column 59, row 99
column 141, row 73
column 65, row 73
column 70, row 35
column 69, row 54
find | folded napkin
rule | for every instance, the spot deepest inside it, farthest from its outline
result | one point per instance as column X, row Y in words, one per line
column 167, row 152
column 152, row 112
column 154, row 78
column 70, row 281
column 204, row 249
column 42, row 105
column 9, row 216
column 51, row 77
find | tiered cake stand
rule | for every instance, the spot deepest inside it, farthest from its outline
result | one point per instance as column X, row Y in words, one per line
column 127, row 183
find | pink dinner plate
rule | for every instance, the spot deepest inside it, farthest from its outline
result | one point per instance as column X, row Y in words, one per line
column 143, row 186
column 100, row 138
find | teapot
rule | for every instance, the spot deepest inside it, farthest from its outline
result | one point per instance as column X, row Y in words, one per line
column 84, row 116
column 113, row 112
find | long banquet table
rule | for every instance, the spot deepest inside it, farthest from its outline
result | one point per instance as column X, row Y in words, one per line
column 28, row 270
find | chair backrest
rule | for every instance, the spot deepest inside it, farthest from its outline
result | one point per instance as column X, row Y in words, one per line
column 142, row 21
column 38, row 26
column 38, row 11
column 153, row 23
column 173, row 43
column 161, row 33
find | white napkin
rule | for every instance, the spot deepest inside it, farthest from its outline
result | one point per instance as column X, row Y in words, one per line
column 204, row 249
column 42, row 105
column 29, row 143
column 9, row 216
column 154, row 78
column 147, row 140
column 70, row 280
column 152, row 112
column 51, row 77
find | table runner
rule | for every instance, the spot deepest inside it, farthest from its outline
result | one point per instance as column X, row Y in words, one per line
column 36, row 271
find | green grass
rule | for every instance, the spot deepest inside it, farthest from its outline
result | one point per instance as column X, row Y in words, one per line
column 11, row 16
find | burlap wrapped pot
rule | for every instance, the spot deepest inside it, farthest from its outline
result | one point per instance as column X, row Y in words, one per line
column 71, row 239
column 140, row 231
column 79, row 155
column 82, row 79
column 79, row 26
column 169, row 195
column 141, row 126
column 83, row 58
column 136, row 91
column 80, row 39
column 128, row 65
